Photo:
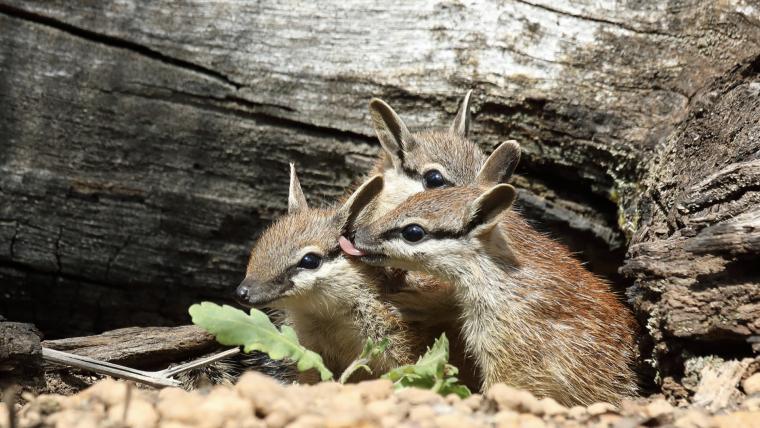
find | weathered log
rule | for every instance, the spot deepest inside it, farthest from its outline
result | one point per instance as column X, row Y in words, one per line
column 144, row 146
column 149, row 347
column 695, row 253
column 20, row 354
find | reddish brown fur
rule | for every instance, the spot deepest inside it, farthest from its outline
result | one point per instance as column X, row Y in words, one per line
column 571, row 322
column 336, row 306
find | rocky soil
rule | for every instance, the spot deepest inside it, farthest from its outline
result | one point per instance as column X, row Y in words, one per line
column 260, row 401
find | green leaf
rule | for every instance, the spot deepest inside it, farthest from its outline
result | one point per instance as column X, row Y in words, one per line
column 255, row 332
column 432, row 371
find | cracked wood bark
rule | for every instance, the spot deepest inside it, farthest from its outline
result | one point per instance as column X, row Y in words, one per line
column 695, row 255
column 145, row 145
column 146, row 347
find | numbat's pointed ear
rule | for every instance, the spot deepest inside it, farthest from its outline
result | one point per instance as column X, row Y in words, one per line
column 487, row 208
column 500, row 165
column 390, row 129
column 461, row 125
column 296, row 199
column 358, row 201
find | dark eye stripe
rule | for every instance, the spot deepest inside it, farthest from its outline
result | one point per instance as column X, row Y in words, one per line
column 447, row 234
column 333, row 253
column 435, row 234
column 410, row 172
column 415, row 175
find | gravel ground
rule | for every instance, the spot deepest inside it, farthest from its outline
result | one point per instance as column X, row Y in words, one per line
column 259, row 401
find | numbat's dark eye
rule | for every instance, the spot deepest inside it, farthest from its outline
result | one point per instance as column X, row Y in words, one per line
column 310, row 261
column 413, row 233
column 433, row 179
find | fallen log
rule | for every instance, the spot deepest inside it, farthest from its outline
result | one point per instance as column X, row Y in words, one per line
column 140, row 347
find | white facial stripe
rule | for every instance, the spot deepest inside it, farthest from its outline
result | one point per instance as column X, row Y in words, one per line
column 429, row 255
column 330, row 280
column 398, row 188
column 430, row 166
column 426, row 246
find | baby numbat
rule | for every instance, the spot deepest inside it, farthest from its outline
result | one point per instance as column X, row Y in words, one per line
column 334, row 303
column 533, row 316
column 412, row 162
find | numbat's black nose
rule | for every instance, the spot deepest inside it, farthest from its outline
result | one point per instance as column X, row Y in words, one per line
column 242, row 293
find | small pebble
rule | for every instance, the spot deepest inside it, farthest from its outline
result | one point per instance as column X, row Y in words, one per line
column 600, row 409
column 373, row 390
column 738, row 419
column 140, row 414
column 751, row 385
column 474, row 401
column 421, row 413
column 382, row 407
column 417, row 396
column 577, row 412
column 551, row 407
column 263, row 391
column 751, row 404
column 693, row 419
column 453, row 420
column 276, row 420
column 308, row 421
column 658, row 408
column 508, row 398
column 506, row 418
column 530, row 421
column 453, row 399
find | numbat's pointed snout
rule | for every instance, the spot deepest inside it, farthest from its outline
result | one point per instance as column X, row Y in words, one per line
column 241, row 294
column 252, row 293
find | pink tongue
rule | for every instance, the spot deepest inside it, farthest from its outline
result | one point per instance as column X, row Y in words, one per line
column 348, row 247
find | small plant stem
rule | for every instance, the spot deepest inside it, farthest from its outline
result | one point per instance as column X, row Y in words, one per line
column 437, row 386
column 354, row 366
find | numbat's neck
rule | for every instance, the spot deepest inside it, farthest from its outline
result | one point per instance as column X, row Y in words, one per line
column 490, row 286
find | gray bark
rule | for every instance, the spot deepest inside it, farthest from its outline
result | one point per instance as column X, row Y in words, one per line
column 20, row 354
column 695, row 253
column 136, row 347
column 144, row 145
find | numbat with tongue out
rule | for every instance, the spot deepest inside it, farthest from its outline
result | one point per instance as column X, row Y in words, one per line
column 333, row 303
column 533, row 317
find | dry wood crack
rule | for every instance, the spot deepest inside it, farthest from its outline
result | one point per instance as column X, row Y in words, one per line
column 20, row 13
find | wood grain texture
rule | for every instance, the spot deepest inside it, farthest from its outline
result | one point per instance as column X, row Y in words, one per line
column 144, row 145
column 695, row 254
column 146, row 347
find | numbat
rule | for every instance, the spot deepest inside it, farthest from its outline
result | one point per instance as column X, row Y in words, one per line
column 333, row 303
column 533, row 317
column 412, row 162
